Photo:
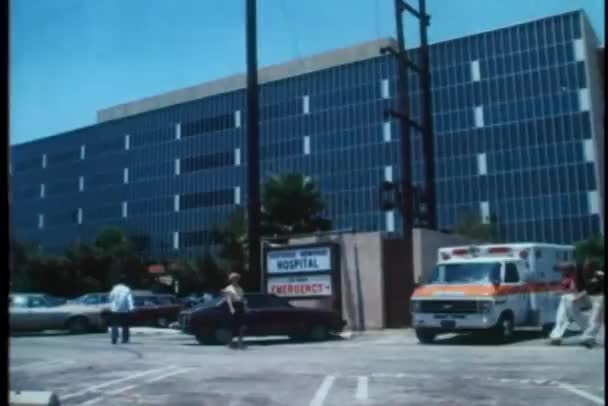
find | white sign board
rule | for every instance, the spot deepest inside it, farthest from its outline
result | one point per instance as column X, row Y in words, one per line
column 300, row 286
column 299, row 260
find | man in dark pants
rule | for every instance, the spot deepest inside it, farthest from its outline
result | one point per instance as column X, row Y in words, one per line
column 121, row 301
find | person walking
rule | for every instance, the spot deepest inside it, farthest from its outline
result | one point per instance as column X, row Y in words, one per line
column 235, row 297
column 573, row 300
column 121, row 301
column 595, row 288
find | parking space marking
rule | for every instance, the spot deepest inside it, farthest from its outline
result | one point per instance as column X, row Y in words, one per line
column 112, row 382
column 323, row 391
column 40, row 364
column 595, row 399
column 168, row 374
column 121, row 390
column 362, row 388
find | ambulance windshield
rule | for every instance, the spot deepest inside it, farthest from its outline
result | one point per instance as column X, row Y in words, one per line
column 465, row 273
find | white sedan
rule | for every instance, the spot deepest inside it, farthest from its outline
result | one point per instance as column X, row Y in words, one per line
column 34, row 312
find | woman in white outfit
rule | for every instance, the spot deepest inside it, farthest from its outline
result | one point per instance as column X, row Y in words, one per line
column 597, row 314
column 572, row 302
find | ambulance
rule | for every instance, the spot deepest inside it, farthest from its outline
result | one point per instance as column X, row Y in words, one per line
column 495, row 289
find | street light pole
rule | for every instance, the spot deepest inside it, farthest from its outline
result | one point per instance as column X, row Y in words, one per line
column 253, row 156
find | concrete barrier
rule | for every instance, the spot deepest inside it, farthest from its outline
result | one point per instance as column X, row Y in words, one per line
column 33, row 398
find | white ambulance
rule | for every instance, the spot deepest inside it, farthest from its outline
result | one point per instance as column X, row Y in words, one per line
column 490, row 288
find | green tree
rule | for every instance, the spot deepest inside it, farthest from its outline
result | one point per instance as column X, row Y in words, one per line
column 233, row 244
column 292, row 205
column 472, row 226
column 592, row 249
column 199, row 274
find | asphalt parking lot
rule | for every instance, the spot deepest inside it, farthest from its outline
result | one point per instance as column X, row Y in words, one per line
column 386, row 368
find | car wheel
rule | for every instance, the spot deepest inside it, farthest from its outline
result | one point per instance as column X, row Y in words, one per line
column 503, row 331
column 318, row 332
column 547, row 328
column 425, row 336
column 162, row 322
column 222, row 336
column 78, row 325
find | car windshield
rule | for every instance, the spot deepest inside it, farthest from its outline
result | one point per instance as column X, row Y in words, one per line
column 465, row 273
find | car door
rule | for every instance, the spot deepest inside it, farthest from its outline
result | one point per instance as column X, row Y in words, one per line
column 283, row 318
column 43, row 316
column 258, row 316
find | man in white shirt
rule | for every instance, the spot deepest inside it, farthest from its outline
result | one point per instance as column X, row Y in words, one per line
column 121, row 301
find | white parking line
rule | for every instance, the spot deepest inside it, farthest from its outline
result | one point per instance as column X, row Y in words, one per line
column 168, row 374
column 595, row 399
column 121, row 390
column 39, row 364
column 362, row 388
column 112, row 382
column 323, row 391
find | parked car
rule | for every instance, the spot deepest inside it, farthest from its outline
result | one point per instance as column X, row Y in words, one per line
column 92, row 299
column 151, row 309
column 266, row 315
column 34, row 312
column 55, row 300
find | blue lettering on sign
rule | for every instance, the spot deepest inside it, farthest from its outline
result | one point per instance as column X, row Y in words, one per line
column 291, row 264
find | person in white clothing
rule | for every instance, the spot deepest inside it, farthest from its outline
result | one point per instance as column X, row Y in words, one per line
column 121, row 301
column 573, row 300
column 596, row 285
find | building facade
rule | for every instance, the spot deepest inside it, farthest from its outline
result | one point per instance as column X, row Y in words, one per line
column 518, row 120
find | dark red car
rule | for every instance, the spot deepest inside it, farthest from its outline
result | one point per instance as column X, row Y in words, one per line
column 266, row 315
column 153, row 309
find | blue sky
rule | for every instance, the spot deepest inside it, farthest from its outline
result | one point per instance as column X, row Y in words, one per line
column 69, row 58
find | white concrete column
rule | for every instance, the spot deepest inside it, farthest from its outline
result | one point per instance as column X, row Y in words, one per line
column 482, row 164
column 237, row 195
column 386, row 131
column 484, row 208
column 306, row 145
column 237, row 157
column 306, row 104
column 176, row 240
column 384, row 89
column 475, row 71
column 478, row 112
column 176, row 203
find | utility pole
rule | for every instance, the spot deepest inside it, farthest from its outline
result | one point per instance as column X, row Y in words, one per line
column 427, row 120
column 425, row 202
column 254, row 275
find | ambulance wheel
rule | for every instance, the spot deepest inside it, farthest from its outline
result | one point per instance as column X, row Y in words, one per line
column 503, row 331
column 425, row 336
column 547, row 328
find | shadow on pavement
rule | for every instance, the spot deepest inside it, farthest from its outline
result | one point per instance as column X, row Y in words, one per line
column 263, row 341
column 51, row 333
column 479, row 339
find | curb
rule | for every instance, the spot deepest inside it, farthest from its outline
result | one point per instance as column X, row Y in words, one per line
column 348, row 334
column 151, row 331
